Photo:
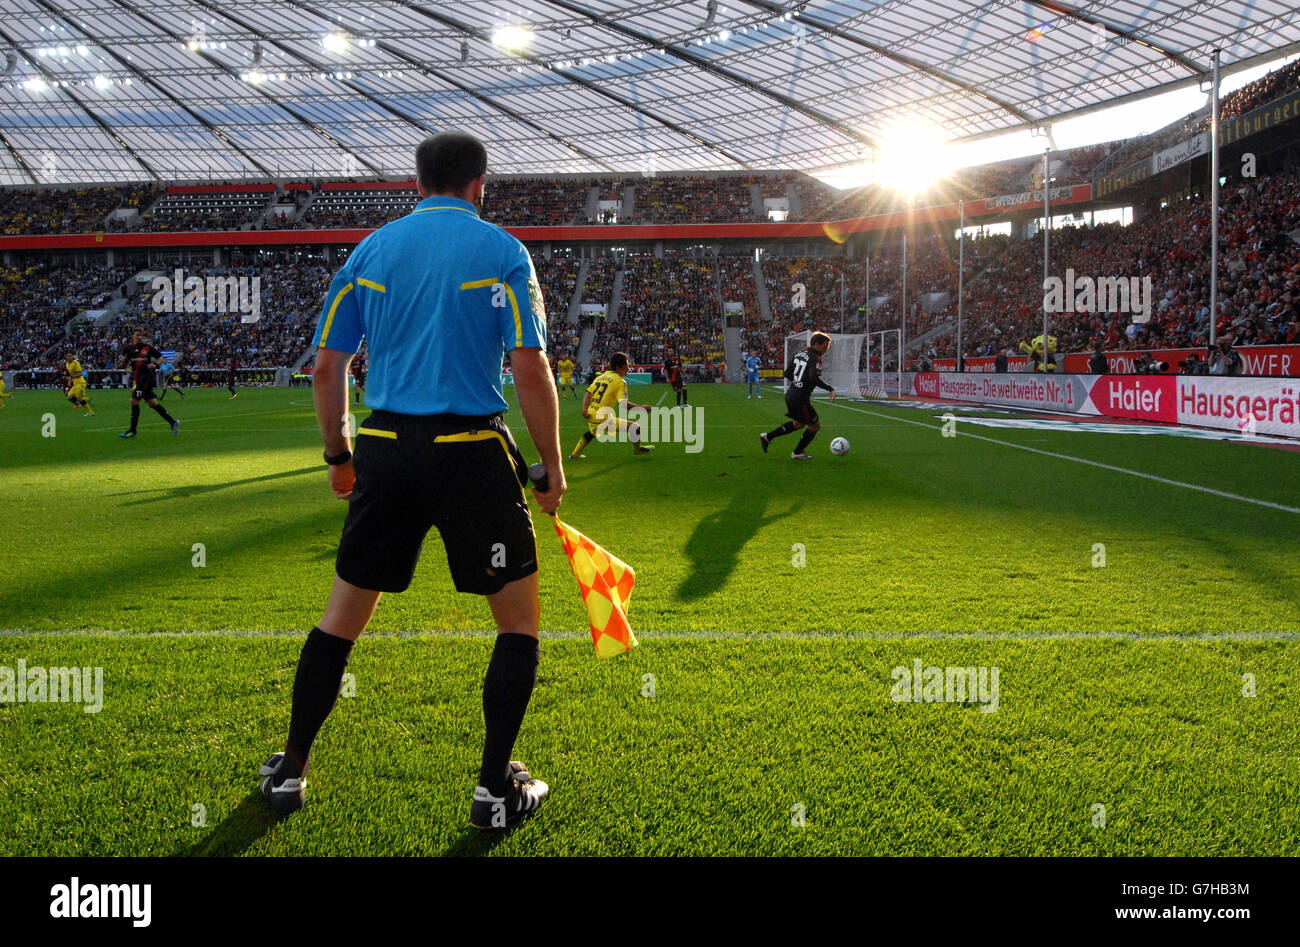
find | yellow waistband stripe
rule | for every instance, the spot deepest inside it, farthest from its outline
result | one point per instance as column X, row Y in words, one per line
column 376, row 432
column 465, row 436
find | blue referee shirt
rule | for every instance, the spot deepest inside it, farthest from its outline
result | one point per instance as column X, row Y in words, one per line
column 441, row 296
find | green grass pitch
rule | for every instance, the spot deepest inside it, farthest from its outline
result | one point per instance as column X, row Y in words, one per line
column 1147, row 706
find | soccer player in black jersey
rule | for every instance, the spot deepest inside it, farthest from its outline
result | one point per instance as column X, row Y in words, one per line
column 804, row 375
column 673, row 372
column 359, row 377
column 143, row 359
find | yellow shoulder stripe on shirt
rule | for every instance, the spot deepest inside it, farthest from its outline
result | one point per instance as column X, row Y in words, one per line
column 371, row 284
column 329, row 319
column 514, row 303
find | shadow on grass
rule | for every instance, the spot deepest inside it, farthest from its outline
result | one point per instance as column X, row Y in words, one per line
column 237, row 831
column 180, row 492
column 714, row 547
column 475, row 842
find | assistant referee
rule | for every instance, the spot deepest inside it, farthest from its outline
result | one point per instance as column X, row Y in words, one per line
column 439, row 295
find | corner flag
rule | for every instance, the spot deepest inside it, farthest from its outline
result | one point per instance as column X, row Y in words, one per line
column 606, row 583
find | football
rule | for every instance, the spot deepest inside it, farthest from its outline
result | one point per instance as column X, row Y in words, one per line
column 840, row 446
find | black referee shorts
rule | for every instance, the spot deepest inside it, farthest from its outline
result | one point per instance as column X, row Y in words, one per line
column 463, row 475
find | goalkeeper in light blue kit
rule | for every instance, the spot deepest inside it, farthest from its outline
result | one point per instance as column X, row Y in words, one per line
column 752, row 365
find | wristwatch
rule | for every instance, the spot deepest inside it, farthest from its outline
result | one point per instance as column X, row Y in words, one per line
column 335, row 459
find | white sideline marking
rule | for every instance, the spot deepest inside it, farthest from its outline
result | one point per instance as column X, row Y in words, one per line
column 649, row 635
column 1090, row 463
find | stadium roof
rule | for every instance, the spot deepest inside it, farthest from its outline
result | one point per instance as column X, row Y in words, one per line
column 103, row 90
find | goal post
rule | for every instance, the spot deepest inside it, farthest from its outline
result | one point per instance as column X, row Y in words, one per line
column 888, row 361
column 842, row 364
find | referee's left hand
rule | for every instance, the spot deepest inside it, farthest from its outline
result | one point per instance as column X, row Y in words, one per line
column 550, row 500
column 342, row 479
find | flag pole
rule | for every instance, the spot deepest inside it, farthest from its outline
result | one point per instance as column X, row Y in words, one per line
column 1047, row 227
column 1214, row 200
column 902, row 343
column 961, row 266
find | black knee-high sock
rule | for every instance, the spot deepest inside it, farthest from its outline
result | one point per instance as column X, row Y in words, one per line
column 786, row 428
column 804, row 441
column 165, row 416
column 135, row 416
column 315, row 691
column 507, row 687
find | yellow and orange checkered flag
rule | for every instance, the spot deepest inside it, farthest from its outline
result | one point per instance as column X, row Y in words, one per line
column 606, row 582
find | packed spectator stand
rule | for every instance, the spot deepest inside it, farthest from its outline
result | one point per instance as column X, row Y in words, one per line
column 675, row 297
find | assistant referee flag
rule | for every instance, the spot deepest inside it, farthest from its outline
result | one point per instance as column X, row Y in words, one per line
column 606, row 582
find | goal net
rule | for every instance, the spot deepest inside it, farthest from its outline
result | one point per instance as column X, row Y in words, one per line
column 882, row 369
column 841, row 365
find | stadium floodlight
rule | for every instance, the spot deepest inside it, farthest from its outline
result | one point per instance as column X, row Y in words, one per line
column 35, row 84
column 513, row 38
column 911, row 158
column 336, row 43
column 102, row 82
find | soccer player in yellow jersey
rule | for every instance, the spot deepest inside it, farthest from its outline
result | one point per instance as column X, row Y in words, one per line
column 3, row 393
column 76, row 383
column 606, row 393
column 565, row 367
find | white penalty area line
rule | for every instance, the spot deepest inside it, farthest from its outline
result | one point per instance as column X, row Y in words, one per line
column 719, row 635
column 1091, row 463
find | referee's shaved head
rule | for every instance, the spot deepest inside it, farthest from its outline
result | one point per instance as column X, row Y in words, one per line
column 446, row 163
